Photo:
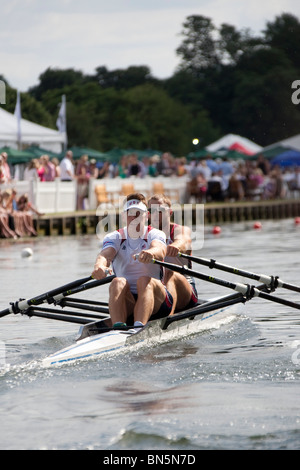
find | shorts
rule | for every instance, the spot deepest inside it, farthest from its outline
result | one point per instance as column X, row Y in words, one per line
column 164, row 310
column 194, row 298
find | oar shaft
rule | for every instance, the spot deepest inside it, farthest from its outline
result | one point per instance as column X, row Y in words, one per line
column 242, row 288
column 248, row 291
column 56, row 294
column 268, row 280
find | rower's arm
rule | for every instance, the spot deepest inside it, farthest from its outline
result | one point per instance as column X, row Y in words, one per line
column 103, row 261
column 182, row 241
column 157, row 250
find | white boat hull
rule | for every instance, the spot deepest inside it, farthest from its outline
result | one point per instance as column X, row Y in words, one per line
column 114, row 341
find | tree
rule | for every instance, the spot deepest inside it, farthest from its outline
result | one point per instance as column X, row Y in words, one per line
column 123, row 78
column 53, row 79
column 198, row 49
column 283, row 34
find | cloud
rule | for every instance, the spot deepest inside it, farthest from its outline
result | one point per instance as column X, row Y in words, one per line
column 117, row 34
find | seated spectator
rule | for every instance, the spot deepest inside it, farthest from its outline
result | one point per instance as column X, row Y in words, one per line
column 152, row 168
column 103, row 170
column 236, row 188
column 255, row 183
column 122, row 168
column 197, row 188
column 181, row 166
column 274, row 187
column 165, row 166
column 135, row 167
column 20, row 210
column 5, row 229
column 216, row 187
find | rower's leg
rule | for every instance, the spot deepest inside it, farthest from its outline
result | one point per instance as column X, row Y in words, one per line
column 180, row 289
column 121, row 301
column 151, row 294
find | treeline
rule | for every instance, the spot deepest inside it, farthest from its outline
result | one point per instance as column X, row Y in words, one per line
column 228, row 80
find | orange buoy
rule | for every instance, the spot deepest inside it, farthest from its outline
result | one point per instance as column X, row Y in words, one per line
column 216, row 230
column 257, row 225
column 297, row 220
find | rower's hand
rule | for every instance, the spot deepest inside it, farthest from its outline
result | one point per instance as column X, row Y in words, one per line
column 172, row 251
column 145, row 256
column 100, row 272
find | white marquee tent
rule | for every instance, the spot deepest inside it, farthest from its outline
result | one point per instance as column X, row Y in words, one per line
column 31, row 133
column 292, row 142
column 233, row 141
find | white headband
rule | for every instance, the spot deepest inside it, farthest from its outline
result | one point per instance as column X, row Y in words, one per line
column 134, row 204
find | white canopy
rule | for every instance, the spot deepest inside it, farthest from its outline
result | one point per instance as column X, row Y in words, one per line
column 292, row 142
column 31, row 133
column 230, row 140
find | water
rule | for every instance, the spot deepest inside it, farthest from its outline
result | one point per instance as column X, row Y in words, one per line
column 236, row 387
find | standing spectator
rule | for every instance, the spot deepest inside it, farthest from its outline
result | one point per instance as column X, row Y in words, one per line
column 31, row 170
column 67, row 167
column 93, row 170
column 2, row 171
column 83, row 177
column 6, row 168
column 49, row 169
column 55, row 162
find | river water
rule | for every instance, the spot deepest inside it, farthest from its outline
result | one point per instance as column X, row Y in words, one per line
column 235, row 387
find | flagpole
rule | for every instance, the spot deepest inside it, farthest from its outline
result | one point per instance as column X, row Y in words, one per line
column 18, row 116
column 61, row 122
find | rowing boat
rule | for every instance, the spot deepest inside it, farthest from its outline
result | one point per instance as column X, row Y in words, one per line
column 100, row 339
column 97, row 337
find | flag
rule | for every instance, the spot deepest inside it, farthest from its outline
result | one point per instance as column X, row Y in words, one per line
column 61, row 121
column 18, row 115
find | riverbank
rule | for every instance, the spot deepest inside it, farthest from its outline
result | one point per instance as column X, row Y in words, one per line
column 81, row 222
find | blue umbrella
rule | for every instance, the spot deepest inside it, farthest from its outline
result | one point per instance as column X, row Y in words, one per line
column 289, row 158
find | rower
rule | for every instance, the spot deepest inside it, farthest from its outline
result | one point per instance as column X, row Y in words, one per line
column 137, row 288
column 178, row 241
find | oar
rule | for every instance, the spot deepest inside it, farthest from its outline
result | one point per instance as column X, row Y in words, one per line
column 65, row 315
column 204, row 308
column 246, row 290
column 270, row 281
column 55, row 294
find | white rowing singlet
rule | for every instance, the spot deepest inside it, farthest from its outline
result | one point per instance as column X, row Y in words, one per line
column 124, row 265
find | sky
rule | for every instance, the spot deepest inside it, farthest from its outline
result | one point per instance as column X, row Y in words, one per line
column 37, row 34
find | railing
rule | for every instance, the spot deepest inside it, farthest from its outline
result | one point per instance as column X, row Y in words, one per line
column 60, row 196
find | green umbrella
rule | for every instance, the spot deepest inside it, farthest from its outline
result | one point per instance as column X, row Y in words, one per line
column 271, row 152
column 17, row 156
column 79, row 151
column 38, row 151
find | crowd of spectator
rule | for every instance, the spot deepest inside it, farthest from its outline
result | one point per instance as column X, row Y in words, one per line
column 208, row 179
column 224, row 180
